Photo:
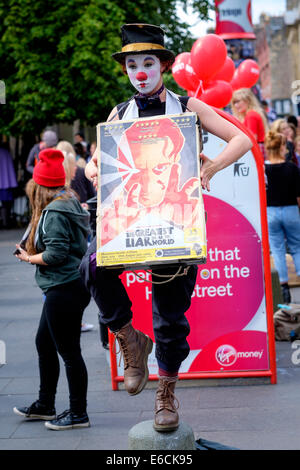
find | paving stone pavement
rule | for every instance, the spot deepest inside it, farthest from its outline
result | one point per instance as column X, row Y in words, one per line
column 244, row 414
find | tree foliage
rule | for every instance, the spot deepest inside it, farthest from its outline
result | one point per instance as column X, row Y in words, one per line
column 56, row 56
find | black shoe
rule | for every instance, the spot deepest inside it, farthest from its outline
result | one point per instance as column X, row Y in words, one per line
column 68, row 420
column 286, row 293
column 36, row 411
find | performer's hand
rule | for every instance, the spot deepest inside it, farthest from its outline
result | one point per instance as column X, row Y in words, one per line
column 91, row 169
column 207, row 171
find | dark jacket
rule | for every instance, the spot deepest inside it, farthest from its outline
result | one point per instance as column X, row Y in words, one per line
column 83, row 187
column 62, row 237
column 33, row 157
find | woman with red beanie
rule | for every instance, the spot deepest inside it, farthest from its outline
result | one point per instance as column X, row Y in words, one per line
column 56, row 242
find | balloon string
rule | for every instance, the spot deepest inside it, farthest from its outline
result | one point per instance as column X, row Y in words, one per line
column 200, row 87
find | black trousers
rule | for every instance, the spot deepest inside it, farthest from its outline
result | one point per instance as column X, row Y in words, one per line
column 170, row 301
column 59, row 333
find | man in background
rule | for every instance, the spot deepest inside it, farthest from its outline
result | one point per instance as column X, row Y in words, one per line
column 49, row 140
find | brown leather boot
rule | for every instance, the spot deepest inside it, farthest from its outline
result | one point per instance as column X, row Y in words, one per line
column 166, row 404
column 135, row 347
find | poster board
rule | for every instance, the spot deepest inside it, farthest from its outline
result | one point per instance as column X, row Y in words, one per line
column 231, row 315
column 150, row 205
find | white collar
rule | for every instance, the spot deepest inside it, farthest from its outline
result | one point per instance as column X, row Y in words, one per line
column 173, row 106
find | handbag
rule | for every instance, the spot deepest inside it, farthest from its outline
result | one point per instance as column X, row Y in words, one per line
column 287, row 323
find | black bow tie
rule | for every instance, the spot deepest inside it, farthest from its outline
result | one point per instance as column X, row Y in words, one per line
column 143, row 101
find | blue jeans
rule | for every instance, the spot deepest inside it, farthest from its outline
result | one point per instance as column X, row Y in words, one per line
column 284, row 229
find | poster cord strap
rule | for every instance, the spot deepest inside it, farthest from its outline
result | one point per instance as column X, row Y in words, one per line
column 170, row 277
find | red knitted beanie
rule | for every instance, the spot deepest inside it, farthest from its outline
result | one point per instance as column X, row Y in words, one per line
column 49, row 170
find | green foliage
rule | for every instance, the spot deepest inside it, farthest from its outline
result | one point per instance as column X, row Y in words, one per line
column 56, row 57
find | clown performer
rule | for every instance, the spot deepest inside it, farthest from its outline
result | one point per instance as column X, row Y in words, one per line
column 144, row 59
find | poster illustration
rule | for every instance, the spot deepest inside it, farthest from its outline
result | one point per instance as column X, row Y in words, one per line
column 150, row 205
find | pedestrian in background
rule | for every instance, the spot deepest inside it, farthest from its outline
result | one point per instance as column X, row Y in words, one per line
column 246, row 107
column 293, row 120
column 55, row 245
column 297, row 149
column 49, row 140
column 281, row 126
column 79, row 138
column 269, row 111
column 93, row 147
column 283, row 202
column 292, row 132
column 8, row 182
column 81, row 154
column 75, row 173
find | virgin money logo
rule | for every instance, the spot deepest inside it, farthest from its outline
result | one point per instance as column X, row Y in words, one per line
column 226, row 355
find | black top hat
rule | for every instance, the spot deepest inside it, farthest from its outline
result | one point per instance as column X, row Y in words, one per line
column 142, row 39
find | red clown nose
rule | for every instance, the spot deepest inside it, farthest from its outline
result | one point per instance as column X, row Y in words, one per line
column 141, row 76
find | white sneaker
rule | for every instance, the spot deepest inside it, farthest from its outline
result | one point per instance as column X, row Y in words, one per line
column 86, row 327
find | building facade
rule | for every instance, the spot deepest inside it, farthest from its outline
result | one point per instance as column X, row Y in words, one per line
column 276, row 62
column 292, row 22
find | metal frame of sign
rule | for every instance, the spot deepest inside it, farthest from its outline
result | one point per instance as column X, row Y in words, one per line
column 271, row 372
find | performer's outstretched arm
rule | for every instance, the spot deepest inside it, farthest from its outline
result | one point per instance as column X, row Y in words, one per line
column 238, row 142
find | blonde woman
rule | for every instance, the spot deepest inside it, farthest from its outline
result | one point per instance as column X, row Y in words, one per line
column 282, row 126
column 69, row 160
column 283, row 202
column 246, row 108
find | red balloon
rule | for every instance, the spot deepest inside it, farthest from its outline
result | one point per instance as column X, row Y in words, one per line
column 248, row 73
column 226, row 72
column 191, row 93
column 208, row 56
column 179, row 71
column 183, row 72
column 217, row 93
column 235, row 84
column 191, row 75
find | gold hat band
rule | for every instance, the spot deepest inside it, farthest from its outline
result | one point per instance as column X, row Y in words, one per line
column 141, row 46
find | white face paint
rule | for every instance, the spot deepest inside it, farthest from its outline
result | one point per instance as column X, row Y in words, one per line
column 143, row 71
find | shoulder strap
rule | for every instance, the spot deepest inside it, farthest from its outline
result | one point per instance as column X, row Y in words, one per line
column 121, row 108
column 184, row 101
